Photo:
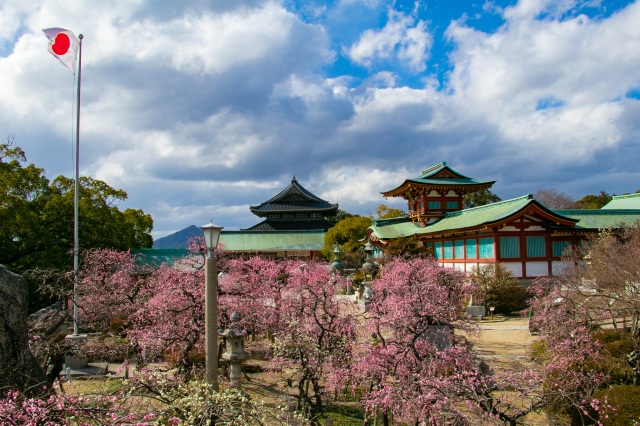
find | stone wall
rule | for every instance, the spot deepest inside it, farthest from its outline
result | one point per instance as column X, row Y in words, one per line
column 18, row 368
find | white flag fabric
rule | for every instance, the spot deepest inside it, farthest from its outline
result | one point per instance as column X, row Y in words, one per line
column 63, row 44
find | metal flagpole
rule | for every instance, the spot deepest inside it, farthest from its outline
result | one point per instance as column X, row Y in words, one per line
column 76, row 239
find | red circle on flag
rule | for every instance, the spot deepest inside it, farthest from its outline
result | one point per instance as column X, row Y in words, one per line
column 61, row 44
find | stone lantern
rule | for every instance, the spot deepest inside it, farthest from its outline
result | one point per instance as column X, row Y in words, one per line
column 337, row 264
column 235, row 352
column 369, row 267
column 367, row 295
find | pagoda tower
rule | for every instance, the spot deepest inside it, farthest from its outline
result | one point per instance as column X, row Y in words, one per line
column 294, row 209
column 437, row 191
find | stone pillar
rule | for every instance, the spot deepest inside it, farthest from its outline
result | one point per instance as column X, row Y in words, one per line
column 76, row 362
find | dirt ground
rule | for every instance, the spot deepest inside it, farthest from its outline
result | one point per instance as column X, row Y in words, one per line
column 504, row 343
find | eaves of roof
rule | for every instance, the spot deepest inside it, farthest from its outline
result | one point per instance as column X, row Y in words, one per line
column 598, row 219
column 439, row 183
column 295, row 206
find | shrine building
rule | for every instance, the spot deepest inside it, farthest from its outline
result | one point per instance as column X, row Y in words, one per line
column 521, row 234
column 294, row 225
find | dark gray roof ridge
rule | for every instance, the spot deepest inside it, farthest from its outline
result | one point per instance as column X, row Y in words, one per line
column 293, row 188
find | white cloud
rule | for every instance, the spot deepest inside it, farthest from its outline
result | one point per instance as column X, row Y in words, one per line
column 198, row 110
column 211, row 43
column 353, row 187
column 401, row 38
column 379, row 110
column 581, row 63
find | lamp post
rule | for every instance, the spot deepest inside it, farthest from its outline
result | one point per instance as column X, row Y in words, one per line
column 211, row 236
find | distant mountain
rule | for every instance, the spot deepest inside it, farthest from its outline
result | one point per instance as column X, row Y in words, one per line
column 178, row 239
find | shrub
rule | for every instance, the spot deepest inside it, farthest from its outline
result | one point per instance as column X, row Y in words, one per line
column 538, row 350
column 499, row 289
column 619, row 405
column 616, row 346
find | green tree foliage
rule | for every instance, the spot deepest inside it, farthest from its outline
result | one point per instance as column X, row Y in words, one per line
column 616, row 344
column 405, row 248
column 479, row 198
column 385, row 212
column 37, row 216
column 499, row 289
column 347, row 234
column 23, row 190
column 340, row 214
column 593, row 202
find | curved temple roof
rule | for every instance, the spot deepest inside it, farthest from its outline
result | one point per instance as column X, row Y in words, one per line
column 490, row 215
column 440, row 176
column 294, row 198
column 621, row 202
column 474, row 219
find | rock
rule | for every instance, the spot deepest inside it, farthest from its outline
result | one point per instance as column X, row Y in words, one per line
column 19, row 370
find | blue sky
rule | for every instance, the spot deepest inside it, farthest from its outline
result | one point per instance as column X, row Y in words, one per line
column 199, row 109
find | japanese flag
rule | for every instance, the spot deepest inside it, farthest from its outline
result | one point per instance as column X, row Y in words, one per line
column 63, row 44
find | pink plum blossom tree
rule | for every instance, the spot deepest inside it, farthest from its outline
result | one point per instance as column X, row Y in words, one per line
column 413, row 362
column 297, row 305
column 418, row 371
column 112, row 287
column 172, row 316
column 162, row 306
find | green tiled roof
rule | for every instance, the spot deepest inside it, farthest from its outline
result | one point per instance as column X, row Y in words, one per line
column 596, row 219
column 156, row 257
column 476, row 217
column 272, row 240
column 434, row 170
column 386, row 230
column 241, row 241
column 429, row 177
column 450, row 181
column 624, row 202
